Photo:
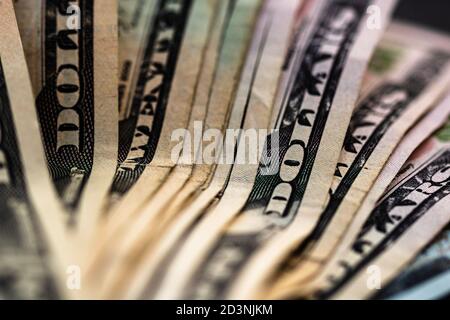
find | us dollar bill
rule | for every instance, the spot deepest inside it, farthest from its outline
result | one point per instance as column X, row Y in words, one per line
column 151, row 36
column 410, row 214
column 164, row 44
column 265, row 59
column 168, row 71
column 71, row 49
column 264, row 66
column 430, row 40
column 309, row 111
column 171, row 67
column 290, row 285
column 427, row 277
column 408, row 79
column 32, row 233
column 225, row 52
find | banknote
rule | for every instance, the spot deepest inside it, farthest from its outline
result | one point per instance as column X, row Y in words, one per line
column 427, row 278
column 314, row 105
column 412, row 213
column 288, row 284
column 227, row 45
column 151, row 35
column 32, row 233
column 251, row 109
column 226, row 51
column 211, row 189
column 408, row 80
column 170, row 72
column 167, row 75
column 203, row 87
column 407, row 217
column 71, row 49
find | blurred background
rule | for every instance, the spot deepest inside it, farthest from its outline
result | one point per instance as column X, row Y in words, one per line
column 431, row 13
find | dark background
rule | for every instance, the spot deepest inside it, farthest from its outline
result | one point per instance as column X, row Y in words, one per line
column 432, row 13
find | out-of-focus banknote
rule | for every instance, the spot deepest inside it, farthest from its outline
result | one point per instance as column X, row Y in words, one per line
column 317, row 103
column 71, row 50
column 168, row 41
column 161, row 93
column 410, row 214
column 252, row 109
column 406, row 78
column 264, row 43
column 427, row 278
column 437, row 43
column 151, row 34
column 291, row 286
column 32, row 238
column 227, row 45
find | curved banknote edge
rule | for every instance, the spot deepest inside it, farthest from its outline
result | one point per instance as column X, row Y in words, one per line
column 259, row 80
column 291, row 286
column 410, row 214
column 160, row 102
column 201, row 270
column 226, row 50
column 314, row 104
column 150, row 36
column 247, row 113
column 71, row 49
column 147, row 148
column 427, row 40
column 34, row 250
column 156, row 65
column 137, row 22
column 278, row 233
column 427, row 278
column 411, row 81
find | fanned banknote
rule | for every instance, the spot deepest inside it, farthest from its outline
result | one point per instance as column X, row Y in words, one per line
column 432, row 42
column 71, row 50
column 161, row 45
column 405, row 80
column 32, row 265
column 151, row 36
column 316, row 104
column 251, row 109
column 289, row 284
column 225, row 52
column 410, row 214
column 161, row 102
column 222, row 149
column 427, row 278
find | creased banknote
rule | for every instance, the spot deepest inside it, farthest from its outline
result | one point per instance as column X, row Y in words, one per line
column 405, row 80
column 316, row 104
column 252, row 108
column 410, row 214
column 427, row 278
column 290, row 285
column 227, row 45
column 161, row 93
column 33, row 244
column 71, row 51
